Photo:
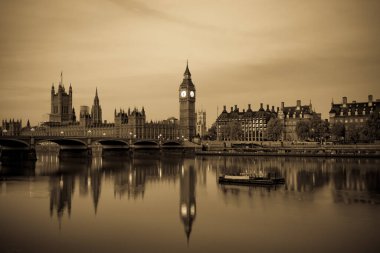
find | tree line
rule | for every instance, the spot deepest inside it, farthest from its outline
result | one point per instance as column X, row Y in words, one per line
column 314, row 129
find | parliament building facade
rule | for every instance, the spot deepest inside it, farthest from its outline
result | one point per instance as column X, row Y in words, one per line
column 130, row 123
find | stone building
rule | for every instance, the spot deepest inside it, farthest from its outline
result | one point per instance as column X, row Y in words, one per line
column 354, row 112
column 201, row 129
column 291, row 115
column 11, row 127
column 96, row 110
column 128, row 124
column 85, row 119
column 61, row 110
column 252, row 124
column 187, row 118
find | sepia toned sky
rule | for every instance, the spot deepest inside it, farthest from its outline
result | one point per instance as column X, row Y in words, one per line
column 135, row 52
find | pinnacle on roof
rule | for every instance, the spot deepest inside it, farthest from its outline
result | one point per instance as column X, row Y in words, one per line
column 187, row 71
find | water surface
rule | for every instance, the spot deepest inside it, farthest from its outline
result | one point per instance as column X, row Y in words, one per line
column 175, row 204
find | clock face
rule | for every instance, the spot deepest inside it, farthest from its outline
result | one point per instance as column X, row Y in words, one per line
column 183, row 93
column 192, row 94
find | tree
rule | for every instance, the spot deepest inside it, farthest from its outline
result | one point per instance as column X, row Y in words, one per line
column 212, row 132
column 303, row 129
column 371, row 129
column 338, row 130
column 232, row 130
column 319, row 128
column 274, row 129
column 353, row 133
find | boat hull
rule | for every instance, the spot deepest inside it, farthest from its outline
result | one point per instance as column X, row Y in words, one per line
column 251, row 181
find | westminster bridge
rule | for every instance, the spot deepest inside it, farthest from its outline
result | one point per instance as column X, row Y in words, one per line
column 24, row 147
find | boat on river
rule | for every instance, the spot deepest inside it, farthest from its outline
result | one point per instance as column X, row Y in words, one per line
column 243, row 179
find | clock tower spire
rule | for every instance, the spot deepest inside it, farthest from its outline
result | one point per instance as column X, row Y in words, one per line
column 187, row 105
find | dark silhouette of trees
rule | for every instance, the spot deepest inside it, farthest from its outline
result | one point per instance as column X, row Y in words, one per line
column 274, row 129
column 303, row 128
column 338, row 131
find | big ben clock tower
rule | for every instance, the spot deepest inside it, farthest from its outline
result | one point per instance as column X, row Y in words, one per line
column 187, row 106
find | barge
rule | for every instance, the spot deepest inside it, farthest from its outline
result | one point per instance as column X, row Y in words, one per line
column 250, row 180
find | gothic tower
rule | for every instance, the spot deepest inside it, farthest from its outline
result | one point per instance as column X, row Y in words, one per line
column 96, row 110
column 187, row 106
column 61, row 104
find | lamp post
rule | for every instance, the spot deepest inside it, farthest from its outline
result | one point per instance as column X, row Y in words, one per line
column 159, row 138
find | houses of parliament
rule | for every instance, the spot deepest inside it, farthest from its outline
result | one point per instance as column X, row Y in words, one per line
column 129, row 123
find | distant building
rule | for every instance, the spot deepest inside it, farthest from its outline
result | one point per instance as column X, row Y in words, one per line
column 85, row 119
column 62, row 110
column 96, row 110
column 201, row 128
column 291, row 115
column 354, row 112
column 11, row 127
column 128, row 124
column 252, row 124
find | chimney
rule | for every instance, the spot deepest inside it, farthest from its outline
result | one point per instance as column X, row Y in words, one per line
column 278, row 108
column 236, row 109
column 232, row 108
column 267, row 107
column 272, row 108
column 282, row 106
column 298, row 103
column 370, row 98
column 224, row 108
column 354, row 101
column 249, row 106
column 261, row 105
column 344, row 100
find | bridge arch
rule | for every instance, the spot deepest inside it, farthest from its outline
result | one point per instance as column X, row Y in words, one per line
column 146, row 143
column 65, row 142
column 171, row 144
column 112, row 142
column 14, row 143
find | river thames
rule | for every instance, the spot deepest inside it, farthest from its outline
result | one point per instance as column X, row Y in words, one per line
column 175, row 204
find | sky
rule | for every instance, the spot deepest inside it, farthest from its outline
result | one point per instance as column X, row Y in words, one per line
column 240, row 52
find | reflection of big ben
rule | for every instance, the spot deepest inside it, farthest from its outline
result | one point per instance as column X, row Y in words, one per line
column 187, row 207
column 187, row 106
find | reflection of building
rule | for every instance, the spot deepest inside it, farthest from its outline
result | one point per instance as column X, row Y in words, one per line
column 187, row 207
column 252, row 124
column 62, row 110
column 354, row 183
column 96, row 180
column 132, row 179
column 201, row 123
column 187, row 106
column 291, row 115
column 61, row 192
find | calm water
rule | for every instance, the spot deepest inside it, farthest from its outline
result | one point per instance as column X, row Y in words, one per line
column 174, row 204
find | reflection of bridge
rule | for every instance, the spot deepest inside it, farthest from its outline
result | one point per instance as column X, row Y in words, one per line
column 24, row 146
